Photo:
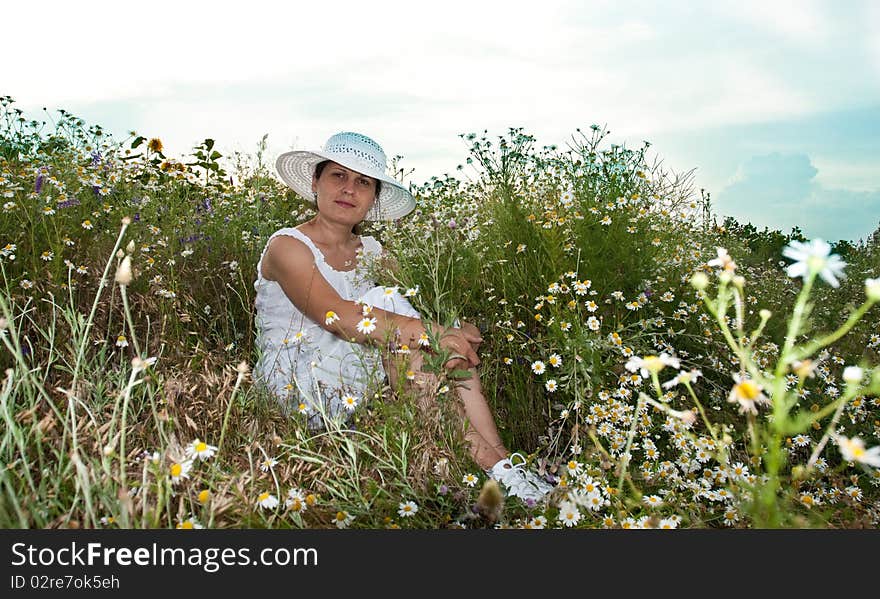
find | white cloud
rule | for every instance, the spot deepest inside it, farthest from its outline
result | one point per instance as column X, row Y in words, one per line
column 872, row 39
column 801, row 21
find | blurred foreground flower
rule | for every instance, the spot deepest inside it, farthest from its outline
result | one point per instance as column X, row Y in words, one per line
column 814, row 257
column 747, row 393
column 650, row 364
column 123, row 273
column 853, row 450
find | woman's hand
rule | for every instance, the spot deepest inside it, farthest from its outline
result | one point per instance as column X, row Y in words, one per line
column 462, row 343
column 475, row 338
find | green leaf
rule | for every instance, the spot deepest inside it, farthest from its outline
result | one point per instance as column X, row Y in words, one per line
column 460, row 374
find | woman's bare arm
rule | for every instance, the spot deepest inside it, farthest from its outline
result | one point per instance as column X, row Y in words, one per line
column 291, row 263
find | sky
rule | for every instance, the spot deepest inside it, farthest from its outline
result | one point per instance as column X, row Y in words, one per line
column 774, row 104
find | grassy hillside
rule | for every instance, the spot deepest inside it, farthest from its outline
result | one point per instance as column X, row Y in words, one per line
column 660, row 368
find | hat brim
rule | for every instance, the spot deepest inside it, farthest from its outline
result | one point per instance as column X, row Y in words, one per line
column 297, row 168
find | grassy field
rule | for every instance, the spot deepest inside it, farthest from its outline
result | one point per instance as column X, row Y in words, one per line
column 662, row 369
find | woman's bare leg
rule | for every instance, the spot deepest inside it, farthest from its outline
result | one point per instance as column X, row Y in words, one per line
column 485, row 443
column 478, row 412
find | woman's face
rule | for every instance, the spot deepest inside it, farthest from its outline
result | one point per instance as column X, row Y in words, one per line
column 343, row 194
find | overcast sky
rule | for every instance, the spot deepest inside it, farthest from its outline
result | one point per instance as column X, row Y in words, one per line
column 775, row 103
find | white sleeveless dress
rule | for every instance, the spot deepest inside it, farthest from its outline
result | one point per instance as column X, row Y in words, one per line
column 306, row 367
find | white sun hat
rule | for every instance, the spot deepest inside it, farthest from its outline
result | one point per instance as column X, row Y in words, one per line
column 358, row 153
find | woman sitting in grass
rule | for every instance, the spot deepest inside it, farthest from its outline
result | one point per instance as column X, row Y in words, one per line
column 321, row 321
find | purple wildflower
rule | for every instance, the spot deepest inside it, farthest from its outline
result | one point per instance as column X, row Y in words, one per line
column 68, row 203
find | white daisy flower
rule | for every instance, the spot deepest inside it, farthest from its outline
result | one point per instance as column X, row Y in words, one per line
column 853, row 450
column 853, row 374
column 424, row 341
column 872, row 289
column 747, row 393
column 650, row 364
column 538, row 522
column 723, row 260
column 366, row 326
column 407, row 509
column 342, row 519
column 569, row 515
column 350, row 402
column 180, row 471
column 816, row 257
column 267, row 501
column 296, row 501
column 200, row 449
column 189, row 524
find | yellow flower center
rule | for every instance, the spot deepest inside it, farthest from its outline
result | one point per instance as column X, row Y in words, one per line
column 176, row 469
column 263, row 497
column 653, row 363
column 747, row 390
column 186, row 524
column 201, row 446
column 816, row 263
column 204, row 495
